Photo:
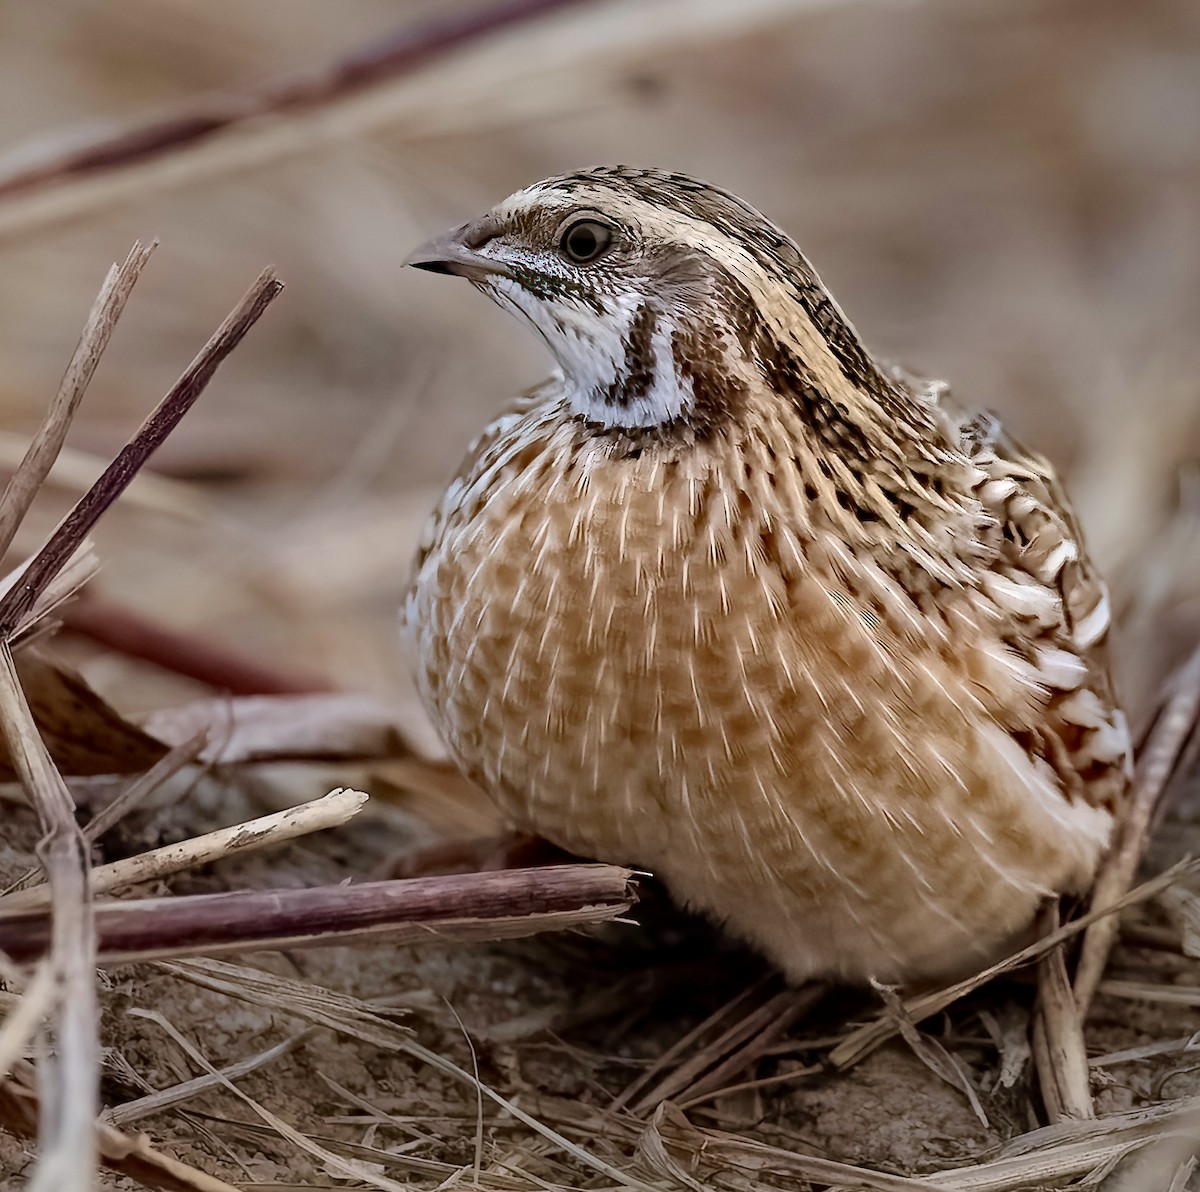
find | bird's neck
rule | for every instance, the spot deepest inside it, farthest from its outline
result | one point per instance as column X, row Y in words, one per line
column 626, row 374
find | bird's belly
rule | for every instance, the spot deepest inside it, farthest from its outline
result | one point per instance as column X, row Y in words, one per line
column 832, row 799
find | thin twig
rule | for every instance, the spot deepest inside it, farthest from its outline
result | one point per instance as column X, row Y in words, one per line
column 763, row 1024
column 47, row 443
column 791, row 1006
column 75, row 471
column 1155, row 767
column 710, row 1151
column 69, row 1079
column 80, row 568
column 462, row 907
column 141, row 788
column 685, row 1045
column 165, row 417
column 330, row 811
column 930, row 1052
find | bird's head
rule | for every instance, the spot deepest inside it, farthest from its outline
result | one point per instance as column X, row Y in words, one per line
column 663, row 299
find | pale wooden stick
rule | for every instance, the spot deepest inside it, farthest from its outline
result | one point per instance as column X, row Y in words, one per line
column 47, row 443
column 112, row 813
column 1059, row 1049
column 330, row 811
column 70, row 1079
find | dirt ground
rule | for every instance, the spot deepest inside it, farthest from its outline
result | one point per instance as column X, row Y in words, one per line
column 1002, row 193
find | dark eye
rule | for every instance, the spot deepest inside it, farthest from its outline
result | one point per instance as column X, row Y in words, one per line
column 585, row 240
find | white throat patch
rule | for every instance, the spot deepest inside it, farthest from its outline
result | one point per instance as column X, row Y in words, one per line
column 614, row 374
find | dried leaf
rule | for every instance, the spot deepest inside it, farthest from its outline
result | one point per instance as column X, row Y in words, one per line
column 85, row 735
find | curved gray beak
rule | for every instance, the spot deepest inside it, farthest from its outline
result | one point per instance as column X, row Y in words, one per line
column 457, row 253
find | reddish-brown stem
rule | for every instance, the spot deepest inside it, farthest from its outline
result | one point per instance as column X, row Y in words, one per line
column 400, row 54
column 192, row 655
column 474, row 906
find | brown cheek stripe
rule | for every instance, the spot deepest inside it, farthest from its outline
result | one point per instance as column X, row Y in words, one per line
column 636, row 378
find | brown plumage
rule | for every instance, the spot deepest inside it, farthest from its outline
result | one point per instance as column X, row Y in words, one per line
column 727, row 600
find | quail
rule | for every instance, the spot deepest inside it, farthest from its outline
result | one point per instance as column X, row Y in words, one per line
column 730, row 600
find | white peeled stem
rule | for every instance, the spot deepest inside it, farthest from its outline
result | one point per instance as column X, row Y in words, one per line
column 330, row 811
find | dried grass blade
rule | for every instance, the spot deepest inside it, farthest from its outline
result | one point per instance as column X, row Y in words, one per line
column 867, row 1038
column 47, row 443
column 131, row 1111
column 680, row 1135
column 316, row 1004
column 142, row 788
column 685, row 1044
column 1055, row 1155
column 76, row 572
column 735, row 1051
column 348, row 1168
column 131, row 1156
column 71, row 532
column 931, row 1053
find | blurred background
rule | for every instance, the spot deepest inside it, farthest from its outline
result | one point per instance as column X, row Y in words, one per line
column 1005, row 194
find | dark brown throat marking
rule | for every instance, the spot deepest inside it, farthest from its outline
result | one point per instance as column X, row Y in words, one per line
column 698, row 359
column 636, row 377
